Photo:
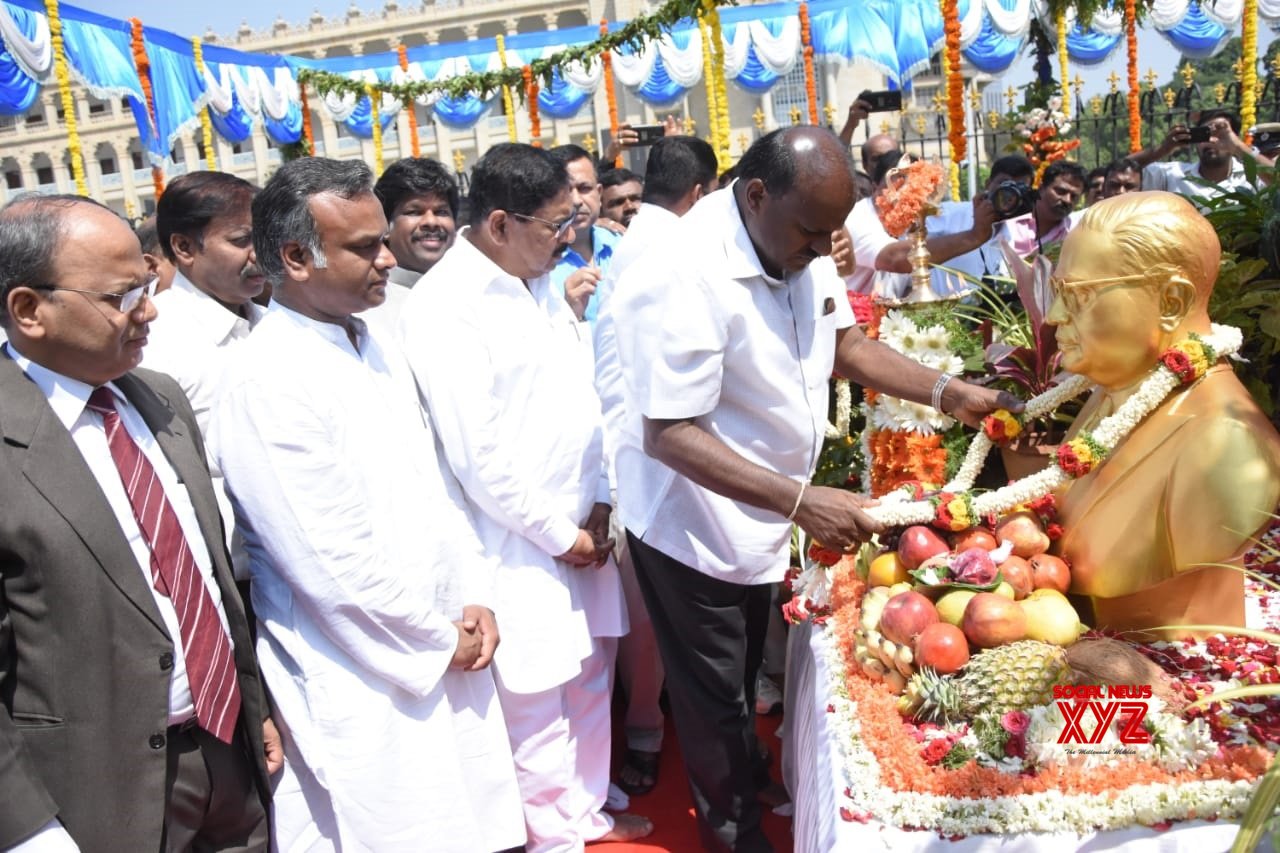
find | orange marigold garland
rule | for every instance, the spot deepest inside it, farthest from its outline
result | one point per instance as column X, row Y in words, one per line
column 606, row 62
column 306, row 119
column 955, row 93
column 1131, row 35
column 143, row 66
column 409, row 105
column 810, row 81
column 531, row 98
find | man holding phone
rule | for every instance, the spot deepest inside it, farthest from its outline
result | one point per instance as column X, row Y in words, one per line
column 1220, row 149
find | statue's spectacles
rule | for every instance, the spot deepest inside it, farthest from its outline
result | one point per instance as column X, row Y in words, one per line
column 1078, row 294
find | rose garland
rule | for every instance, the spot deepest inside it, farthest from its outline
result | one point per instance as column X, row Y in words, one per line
column 531, row 98
column 1131, row 37
column 403, row 53
column 206, row 123
column 713, row 113
column 610, row 97
column 375, row 122
column 1060, row 21
column 64, row 93
column 507, row 103
column 955, row 93
column 810, row 81
column 143, row 66
column 306, row 118
column 1181, row 364
column 1249, row 66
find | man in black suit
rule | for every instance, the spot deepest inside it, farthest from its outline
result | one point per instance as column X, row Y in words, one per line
column 134, row 718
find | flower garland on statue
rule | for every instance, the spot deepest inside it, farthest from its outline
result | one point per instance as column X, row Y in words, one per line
column 74, row 148
column 531, row 98
column 810, row 80
column 1249, row 65
column 905, row 196
column 206, row 123
column 610, row 96
column 1131, row 38
column 143, row 66
column 1060, row 22
column 955, row 507
column 955, row 93
column 403, row 54
column 508, row 105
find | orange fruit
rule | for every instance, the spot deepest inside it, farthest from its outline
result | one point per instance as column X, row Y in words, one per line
column 887, row 569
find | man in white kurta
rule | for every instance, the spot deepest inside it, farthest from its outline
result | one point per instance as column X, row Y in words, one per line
column 368, row 582
column 205, row 230
column 504, row 368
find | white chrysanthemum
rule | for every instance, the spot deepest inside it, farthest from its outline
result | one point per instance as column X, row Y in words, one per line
column 894, row 324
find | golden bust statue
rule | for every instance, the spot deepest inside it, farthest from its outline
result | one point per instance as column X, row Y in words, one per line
column 1199, row 476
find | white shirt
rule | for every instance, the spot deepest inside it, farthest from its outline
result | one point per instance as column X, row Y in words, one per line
column 869, row 237
column 710, row 336
column 191, row 339
column 1175, row 177
column 385, row 318
column 68, row 398
column 505, row 371
column 648, row 230
column 362, row 558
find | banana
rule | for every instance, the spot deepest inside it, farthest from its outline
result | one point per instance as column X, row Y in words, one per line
column 895, row 682
column 902, row 660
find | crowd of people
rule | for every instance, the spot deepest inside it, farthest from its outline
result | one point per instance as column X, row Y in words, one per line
column 337, row 509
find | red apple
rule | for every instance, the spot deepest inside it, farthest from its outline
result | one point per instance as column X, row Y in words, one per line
column 942, row 647
column 974, row 537
column 919, row 543
column 905, row 616
column 1017, row 572
column 1024, row 530
column 992, row 620
column 1050, row 572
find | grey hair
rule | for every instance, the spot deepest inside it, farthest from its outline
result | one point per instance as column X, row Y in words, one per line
column 31, row 230
column 282, row 210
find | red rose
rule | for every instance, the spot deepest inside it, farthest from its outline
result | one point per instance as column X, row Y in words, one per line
column 936, row 750
column 1177, row 361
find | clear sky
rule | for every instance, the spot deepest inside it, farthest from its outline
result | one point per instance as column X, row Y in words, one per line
column 193, row 17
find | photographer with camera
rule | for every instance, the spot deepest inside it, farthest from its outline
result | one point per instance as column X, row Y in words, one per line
column 879, row 256
column 1220, row 155
column 1049, row 218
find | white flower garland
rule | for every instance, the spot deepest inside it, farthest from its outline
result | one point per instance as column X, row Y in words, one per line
column 1049, row 811
column 895, row 510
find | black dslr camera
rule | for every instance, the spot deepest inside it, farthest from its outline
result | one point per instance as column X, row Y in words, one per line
column 1012, row 198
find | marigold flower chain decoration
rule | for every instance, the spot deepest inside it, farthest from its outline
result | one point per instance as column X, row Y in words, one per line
column 306, row 119
column 1131, row 38
column 810, row 81
column 1249, row 65
column 64, row 93
column 717, row 81
column 143, row 66
column 206, row 123
column 713, row 113
column 508, row 105
column 955, row 92
column 1182, row 364
column 531, row 98
column 403, row 55
column 1060, row 23
column 633, row 34
column 610, row 96
column 375, row 123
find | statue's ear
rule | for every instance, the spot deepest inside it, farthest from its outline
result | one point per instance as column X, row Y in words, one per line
column 1176, row 298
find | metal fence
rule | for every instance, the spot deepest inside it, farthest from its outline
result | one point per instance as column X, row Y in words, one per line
column 1101, row 123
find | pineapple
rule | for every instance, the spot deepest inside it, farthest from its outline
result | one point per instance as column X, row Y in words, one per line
column 1014, row 677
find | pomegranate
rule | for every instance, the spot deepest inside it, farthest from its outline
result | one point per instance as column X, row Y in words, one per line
column 973, row 566
column 974, row 537
column 992, row 620
column 905, row 616
column 942, row 647
column 1017, row 572
column 917, row 544
column 1024, row 530
column 1050, row 572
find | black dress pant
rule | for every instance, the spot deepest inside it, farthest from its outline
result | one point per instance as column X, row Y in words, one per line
column 711, row 636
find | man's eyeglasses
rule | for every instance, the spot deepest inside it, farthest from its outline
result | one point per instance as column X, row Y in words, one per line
column 125, row 302
column 561, row 228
